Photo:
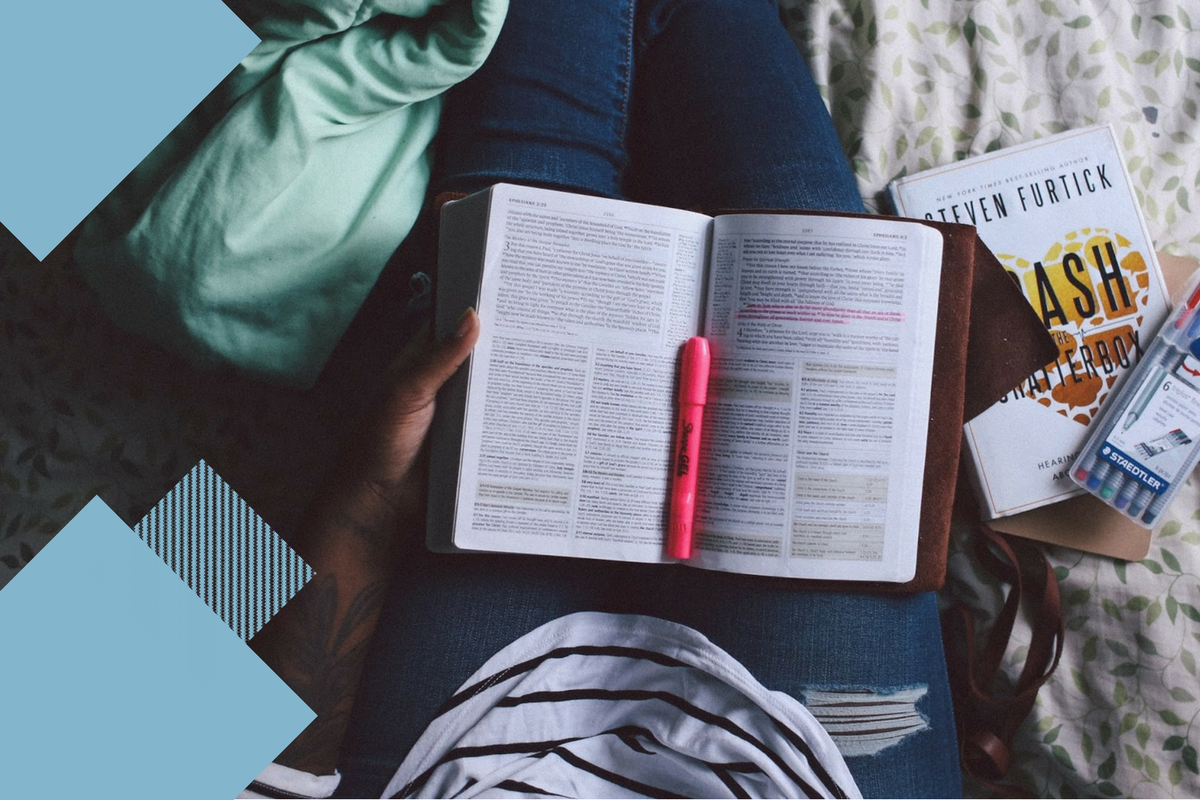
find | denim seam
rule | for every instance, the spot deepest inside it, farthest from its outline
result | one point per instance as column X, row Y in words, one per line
column 626, row 88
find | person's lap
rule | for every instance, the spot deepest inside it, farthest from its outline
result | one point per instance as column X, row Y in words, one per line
column 700, row 104
column 448, row 614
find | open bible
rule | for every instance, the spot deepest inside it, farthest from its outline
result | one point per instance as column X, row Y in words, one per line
column 556, row 438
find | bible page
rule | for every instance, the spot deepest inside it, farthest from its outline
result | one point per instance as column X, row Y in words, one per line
column 585, row 303
column 815, row 430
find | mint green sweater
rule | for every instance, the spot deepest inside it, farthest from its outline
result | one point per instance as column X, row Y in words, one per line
column 251, row 235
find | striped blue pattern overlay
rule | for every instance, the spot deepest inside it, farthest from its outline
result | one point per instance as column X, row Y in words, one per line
column 224, row 551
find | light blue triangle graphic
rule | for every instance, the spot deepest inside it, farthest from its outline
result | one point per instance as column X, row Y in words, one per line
column 218, row 546
column 120, row 683
column 88, row 89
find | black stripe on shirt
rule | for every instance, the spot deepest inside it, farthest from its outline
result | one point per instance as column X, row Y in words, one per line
column 732, row 785
column 538, row 749
column 560, row 652
column 627, row 734
column 509, row 748
column 630, row 740
column 623, row 733
column 612, row 777
column 736, row 766
column 266, row 790
column 798, row 742
column 520, row 787
column 690, row 709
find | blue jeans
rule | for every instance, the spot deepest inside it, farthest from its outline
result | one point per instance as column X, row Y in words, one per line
column 701, row 104
column 704, row 105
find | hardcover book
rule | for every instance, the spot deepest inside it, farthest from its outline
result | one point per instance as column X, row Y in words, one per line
column 1060, row 213
column 555, row 438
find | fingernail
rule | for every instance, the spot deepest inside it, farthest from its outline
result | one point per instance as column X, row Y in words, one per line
column 464, row 324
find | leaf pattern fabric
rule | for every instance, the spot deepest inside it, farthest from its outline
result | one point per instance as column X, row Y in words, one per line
column 87, row 409
column 912, row 85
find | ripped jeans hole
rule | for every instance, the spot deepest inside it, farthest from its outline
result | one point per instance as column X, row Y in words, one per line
column 864, row 721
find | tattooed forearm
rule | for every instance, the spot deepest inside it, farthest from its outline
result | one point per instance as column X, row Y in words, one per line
column 317, row 644
column 368, row 515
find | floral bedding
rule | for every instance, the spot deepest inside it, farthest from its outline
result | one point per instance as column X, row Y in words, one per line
column 913, row 84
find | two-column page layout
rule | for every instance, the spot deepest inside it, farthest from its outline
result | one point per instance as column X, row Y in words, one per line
column 556, row 439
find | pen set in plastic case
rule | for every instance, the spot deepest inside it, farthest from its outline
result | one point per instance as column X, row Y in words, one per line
column 1147, row 441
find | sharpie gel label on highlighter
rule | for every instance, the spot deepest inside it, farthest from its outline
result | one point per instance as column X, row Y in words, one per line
column 1153, row 448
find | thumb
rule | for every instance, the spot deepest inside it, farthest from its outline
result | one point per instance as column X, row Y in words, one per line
column 422, row 370
column 387, row 446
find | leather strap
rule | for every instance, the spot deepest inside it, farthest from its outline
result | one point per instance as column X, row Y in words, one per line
column 989, row 708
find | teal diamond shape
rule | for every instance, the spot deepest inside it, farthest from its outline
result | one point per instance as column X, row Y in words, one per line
column 88, row 89
column 220, row 547
column 120, row 683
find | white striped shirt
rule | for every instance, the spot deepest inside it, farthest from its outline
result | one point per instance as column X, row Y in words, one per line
column 601, row 705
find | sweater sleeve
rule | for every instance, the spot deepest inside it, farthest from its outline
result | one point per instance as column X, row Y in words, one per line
column 280, row 781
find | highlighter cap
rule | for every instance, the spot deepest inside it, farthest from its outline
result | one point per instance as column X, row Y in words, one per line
column 693, row 377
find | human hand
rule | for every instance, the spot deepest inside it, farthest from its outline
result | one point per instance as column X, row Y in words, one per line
column 379, row 483
column 316, row 643
column 389, row 446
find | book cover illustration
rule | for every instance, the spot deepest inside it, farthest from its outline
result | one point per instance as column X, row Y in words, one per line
column 1091, row 289
column 1061, row 216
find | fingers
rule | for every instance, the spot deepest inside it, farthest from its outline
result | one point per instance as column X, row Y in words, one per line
column 419, row 374
column 381, row 466
column 450, row 353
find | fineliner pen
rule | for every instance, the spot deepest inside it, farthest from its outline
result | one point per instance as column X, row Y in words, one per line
column 1110, row 484
column 1125, row 495
column 1148, row 442
column 1093, row 472
column 1090, row 471
column 1098, row 475
column 1155, row 508
column 685, row 456
column 1166, row 359
column 1140, row 500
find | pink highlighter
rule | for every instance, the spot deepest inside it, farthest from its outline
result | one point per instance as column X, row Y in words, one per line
column 685, row 457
